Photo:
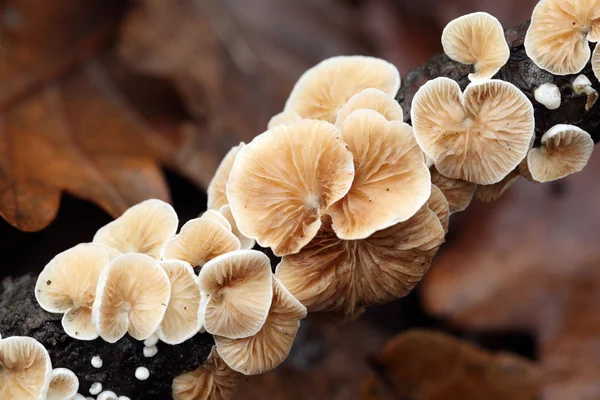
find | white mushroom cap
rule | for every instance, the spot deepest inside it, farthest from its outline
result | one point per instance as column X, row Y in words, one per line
column 68, row 285
column 596, row 61
column 565, row 150
column 582, row 84
column 283, row 118
column 271, row 345
column 325, row 88
column 479, row 136
column 372, row 99
column 548, row 95
column 557, row 38
column 63, row 385
column 238, row 286
column 132, row 296
column 488, row 193
column 181, row 320
column 25, row 369
column 246, row 243
column 144, row 228
column 477, row 39
column 459, row 193
column 216, row 216
column 217, row 197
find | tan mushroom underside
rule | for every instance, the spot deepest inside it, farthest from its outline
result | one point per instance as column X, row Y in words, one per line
column 439, row 205
column 487, row 193
column 215, row 215
column 246, row 243
column 283, row 118
column 63, row 385
column 371, row 99
column 596, row 61
column 217, row 197
column 459, row 193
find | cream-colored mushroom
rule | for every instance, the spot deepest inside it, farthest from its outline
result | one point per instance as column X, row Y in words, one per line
column 63, row 385
column 182, row 319
column 67, row 285
column 583, row 86
column 565, row 150
column 439, row 205
column 283, row 118
column 270, row 346
column 557, row 38
column 25, row 369
column 144, row 228
column 132, row 296
column 457, row 192
column 216, row 216
column 548, row 95
column 372, row 99
column 324, row 89
column 488, row 193
column 283, row 181
column 596, row 61
column 238, row 287
column 217, row 197
column 391, row 180
column 245, row 242
column 214, row 380
column 479, row 136
column 477, row 39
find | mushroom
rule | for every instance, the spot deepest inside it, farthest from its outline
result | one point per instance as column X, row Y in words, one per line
column 583, row 86
column 216, row 216
column 488, row 193
column 67, row 285
column 283, row 118
column 548, row 95
column 199, row 241
column 25, row 369
column 391, row 180
column 217, row 197
column 284, row 180
column 246, row 243
column 596, row 62
column 557, row 38
column 372, row 99
column 63, row 385
column 144, row 228
column 181, row 320
column 477, row 39
column 270, row 346
column 132, row 296
column 457, row 192
column 238, row 290
column 565, row 150
column 214, row 380
column 479, row 136
column 439, row 205
column 325, row 88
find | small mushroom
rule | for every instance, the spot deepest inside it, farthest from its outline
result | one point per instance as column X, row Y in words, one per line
column 596, row 62
column 583, row 86
column 479, row 136
column 457, row 192
column 477, row 39
column 283, row 118
column 216, row 216
column 246, row 243
column 238, row 290
column 372, row 99
column 181, row 320
column 217, row 197
column 548, row 95
column 565, row 150
column 325, row 88
column 439, row 205
column 488, row 193
column 557, row 38
column 270, row 346
column 132, row 296
column 67, row 285
column 284, row 180
column 63, row 385
column 144, row 228
column 391, row 180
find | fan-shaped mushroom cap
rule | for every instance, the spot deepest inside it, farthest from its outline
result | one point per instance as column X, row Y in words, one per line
column 199, row 241
column 596, row 61
column 271, row 345
column 181, row 320
column 439, row 205
column 457, row 192
column 283, row 118
column 479, row 136
column 217, row 197
column 557, row 38
column 246, row 243
column 488, row 193
column 372, row 99
column 391, row 180
column 565, row 150
column 325, row 88
column 144, row 228
column 282, row 182
column 132, row 296
column 331, row 274
column 214, row 380
column 68, row 285
column 216, row 216
column 63, row 385
column 477, row 39
column 239, row 290
column 25, row 369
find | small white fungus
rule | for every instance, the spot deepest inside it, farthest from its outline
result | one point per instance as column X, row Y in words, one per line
column 548, row 95
column 150, row 351
column 107, row 395
column 142, row 373
column 582, row 85
column 96, row 362
column 95, row 388
column 151, row 341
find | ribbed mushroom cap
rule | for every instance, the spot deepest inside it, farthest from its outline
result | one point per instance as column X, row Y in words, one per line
column 271, row 345
column 217, row 197
column 216, row 216
column 67, row 285
column 238, row 286
column 25, row 369
column 144, row 228
column 557, row 38
column 457, row 192
column 325, row 88
column 479, row 136
column 282, row 182
column 63, row 385
column 477, row 39
column 245, row 242
column 439, row 205
column 181, row 320
column 488, row 193
column 596, row 61
column 565, row 150
column 132, row 296
column 214, row 380
column 372, row 99
column 283, row 118
column 391, row 180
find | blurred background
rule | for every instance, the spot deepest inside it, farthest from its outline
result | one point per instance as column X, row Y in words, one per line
column 104, row 103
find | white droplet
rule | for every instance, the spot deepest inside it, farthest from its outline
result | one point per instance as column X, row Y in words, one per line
column 151, row 341
column 107, row 395
column 96, row 362
column 95, row 388
column 548, row 95
column 142, row 373
column 150, row 351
